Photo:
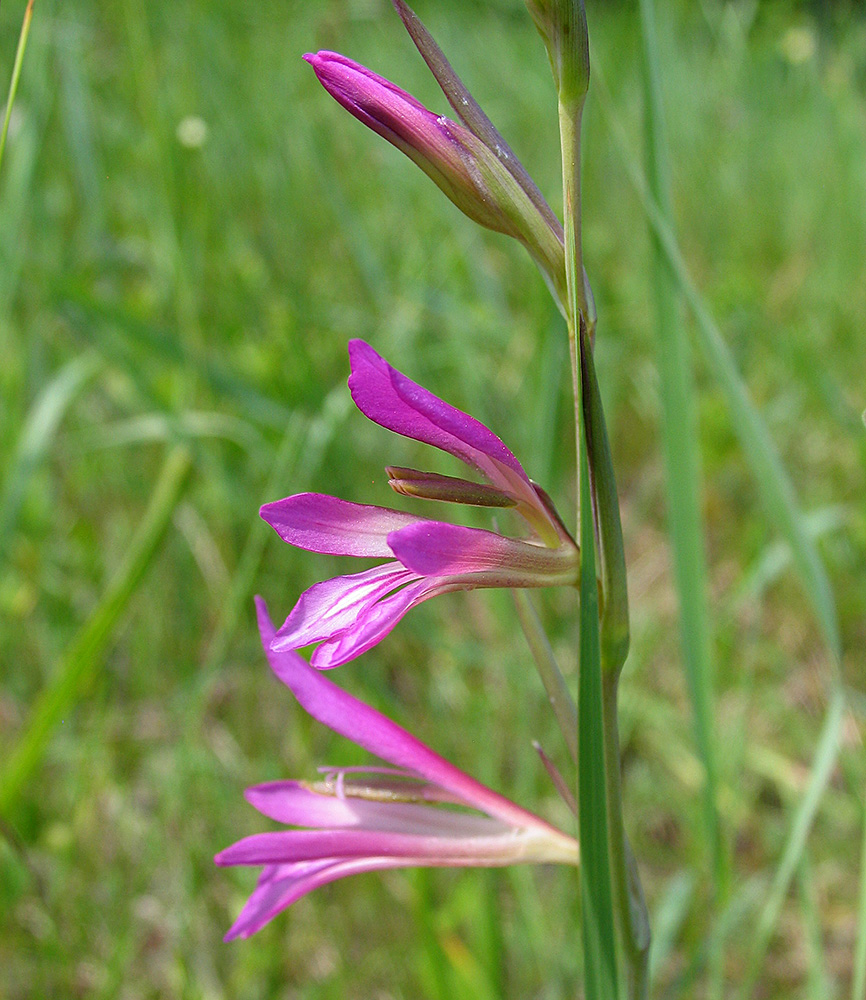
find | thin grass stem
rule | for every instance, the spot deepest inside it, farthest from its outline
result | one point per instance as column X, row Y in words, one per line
column 822, row 767
column 16, row 74
column 558, row 694
column 682, row 464
column 858, row 980
column 774, row 485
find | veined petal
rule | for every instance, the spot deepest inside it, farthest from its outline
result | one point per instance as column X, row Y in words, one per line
column 329, row 608
column 437, row 549
column 373, row 623
column 292, row 803
column 321, row 523
column 373, row 731
column 288, row 846
column 282, row 885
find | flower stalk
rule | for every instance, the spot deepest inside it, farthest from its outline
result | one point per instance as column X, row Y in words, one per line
column 603, row 594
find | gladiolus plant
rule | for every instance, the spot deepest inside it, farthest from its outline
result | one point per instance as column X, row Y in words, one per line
column 415, row 812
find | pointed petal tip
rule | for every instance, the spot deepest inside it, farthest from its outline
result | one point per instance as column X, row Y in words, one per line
column 266, row 626
column 360, row 350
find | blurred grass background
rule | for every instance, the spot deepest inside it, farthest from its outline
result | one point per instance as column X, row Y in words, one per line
column 190, row 231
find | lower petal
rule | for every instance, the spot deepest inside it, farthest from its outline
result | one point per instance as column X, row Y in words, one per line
column 332, row 606
column 373, row 625
column 283, row 885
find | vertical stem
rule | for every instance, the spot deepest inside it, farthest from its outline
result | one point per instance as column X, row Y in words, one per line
column 629, row 902
column 629, row 907
column 569, row 131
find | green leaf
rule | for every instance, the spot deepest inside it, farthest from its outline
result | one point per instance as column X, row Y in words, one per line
column 85, row 653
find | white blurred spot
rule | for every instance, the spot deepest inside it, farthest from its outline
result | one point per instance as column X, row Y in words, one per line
column 192, row 132
column 16, row 121
column 798, row 45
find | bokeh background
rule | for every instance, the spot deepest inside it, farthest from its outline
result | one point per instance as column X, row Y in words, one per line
column 190, row 232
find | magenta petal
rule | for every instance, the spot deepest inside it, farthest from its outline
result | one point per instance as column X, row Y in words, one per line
column 289, row 846
column 286, row 884
column 373, row 624
column 329, row 608
column 358, row 88
column 373, row 731
column 433, row 548
column 292, row 803
column 394, row 401
column 278, row 887
column 321, row 523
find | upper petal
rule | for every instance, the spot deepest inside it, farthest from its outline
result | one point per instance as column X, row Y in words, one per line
column 293, row 803
column 435, row 548
column 321, row 523
column 394, row 401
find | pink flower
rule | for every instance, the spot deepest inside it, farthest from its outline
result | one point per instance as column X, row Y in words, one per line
column 349, row 614
column 393, row 818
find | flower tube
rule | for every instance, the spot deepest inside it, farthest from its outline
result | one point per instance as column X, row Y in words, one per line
column 393, row 818
column 347, row 615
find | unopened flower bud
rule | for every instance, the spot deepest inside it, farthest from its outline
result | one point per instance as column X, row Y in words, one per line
column 457, row 161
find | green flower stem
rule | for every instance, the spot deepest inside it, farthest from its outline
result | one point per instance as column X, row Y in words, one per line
column 629, row 902
column 570, row 116
column 602, row 658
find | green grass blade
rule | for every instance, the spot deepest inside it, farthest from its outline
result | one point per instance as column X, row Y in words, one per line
column 16, row 74
column 682, row 459
column 669, row 916
column 124, row 338
column 614, row 643
column 597, row 904
column 436, row 971
column 597, row 742
column 822, row 767
column 858, row 981
column 84, row 655
column 37, row 435
column 820, row 986
column 774, row 485
column 595, row 868
column 781, row 504
column 558, row 694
